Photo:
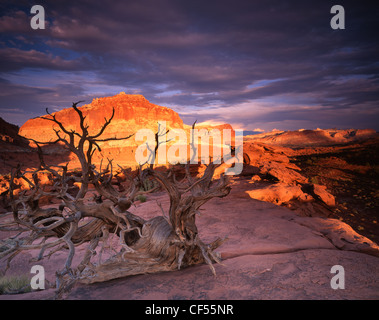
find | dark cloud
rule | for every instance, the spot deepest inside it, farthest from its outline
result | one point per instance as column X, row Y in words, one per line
column 202, row 58
column 13, row 59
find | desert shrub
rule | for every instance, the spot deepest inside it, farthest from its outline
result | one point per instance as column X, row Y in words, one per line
column 14, row 284
column 148, row 184
column 314, row 180
column 141, row 198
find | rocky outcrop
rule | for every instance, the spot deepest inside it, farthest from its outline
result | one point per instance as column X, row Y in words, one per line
column 340, row 234
column 287, row 183
column 280, row 193
column 272, row 162
column 321, row 192
column 132, row 112
column 9, row 134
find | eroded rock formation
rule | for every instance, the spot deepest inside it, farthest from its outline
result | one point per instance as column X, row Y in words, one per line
column 132, row 112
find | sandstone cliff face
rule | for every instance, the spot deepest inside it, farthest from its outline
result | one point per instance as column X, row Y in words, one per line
column 132, row 112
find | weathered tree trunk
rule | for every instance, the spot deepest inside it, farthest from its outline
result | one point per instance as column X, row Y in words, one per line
column 163, row 243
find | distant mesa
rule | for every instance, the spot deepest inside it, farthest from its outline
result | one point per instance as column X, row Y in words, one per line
column 132, row 112
column 309, row 138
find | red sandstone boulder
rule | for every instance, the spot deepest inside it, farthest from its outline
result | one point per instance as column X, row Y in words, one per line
column 279, row 193
column 324, row 195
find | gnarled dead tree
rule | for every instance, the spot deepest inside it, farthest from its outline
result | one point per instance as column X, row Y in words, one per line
column 166, row 242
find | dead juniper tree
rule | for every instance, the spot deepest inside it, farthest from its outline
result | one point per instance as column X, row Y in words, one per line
column 165, row 242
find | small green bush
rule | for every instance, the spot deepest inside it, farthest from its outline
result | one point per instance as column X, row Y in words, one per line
column 147, row 185
column 141, row 198
column 14, row 284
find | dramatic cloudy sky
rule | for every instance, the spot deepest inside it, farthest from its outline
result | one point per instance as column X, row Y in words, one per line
column 254, row 64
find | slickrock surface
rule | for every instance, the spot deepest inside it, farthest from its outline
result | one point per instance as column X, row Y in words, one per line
column 272, row 253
